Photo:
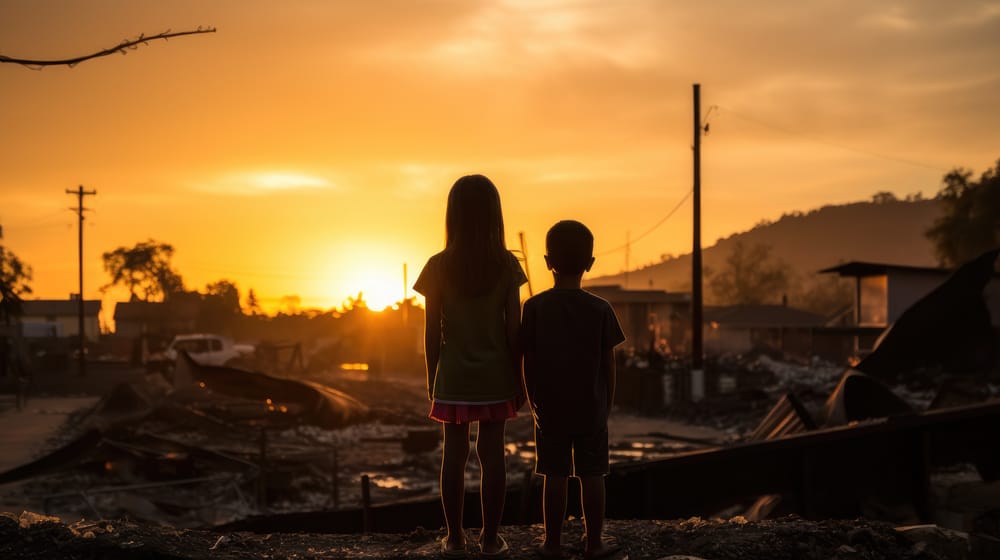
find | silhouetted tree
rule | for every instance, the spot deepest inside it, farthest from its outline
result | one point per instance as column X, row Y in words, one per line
column 14, row 278
column 970, row 224
column 883, row 197
column 354, row 302
column 290, row 305
column 826, row 295
column 145, row 270
column 220, row 307
column 226, row 294
column 750, row 276
column 253, row 304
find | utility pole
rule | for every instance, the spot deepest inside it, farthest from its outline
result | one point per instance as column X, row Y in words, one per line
column 80, row 193
column 405, row 305
column 697, row 351
column 527, row 270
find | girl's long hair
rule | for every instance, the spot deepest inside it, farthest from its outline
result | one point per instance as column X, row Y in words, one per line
column 475, row 254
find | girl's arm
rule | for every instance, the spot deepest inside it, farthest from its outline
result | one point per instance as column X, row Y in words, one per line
column 432, row 340
column 512, row 323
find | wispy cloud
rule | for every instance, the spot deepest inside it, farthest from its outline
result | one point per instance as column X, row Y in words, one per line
column 263, row 183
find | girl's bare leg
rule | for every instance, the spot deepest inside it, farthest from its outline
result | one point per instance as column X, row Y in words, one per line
column 493, row 484
column 454, row 457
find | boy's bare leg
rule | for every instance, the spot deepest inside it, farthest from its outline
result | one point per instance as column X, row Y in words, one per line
column 592, row 500
column 454, row 456
column 492, row 483
column 553, row 512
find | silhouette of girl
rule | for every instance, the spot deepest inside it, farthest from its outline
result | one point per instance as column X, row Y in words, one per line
column 473, row 367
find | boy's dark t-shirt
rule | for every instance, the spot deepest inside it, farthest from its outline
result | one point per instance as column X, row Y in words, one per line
column 565, row 333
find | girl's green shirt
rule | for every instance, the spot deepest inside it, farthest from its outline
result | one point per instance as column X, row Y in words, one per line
column 475, row 365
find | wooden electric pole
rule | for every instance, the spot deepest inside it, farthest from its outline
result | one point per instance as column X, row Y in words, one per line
column 82, row 360
column 524, row 253
column 405, row 304
column 697, row 350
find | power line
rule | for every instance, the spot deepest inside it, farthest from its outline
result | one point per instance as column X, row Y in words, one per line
column 837, row 145
column 662, row 221
column 51, row 219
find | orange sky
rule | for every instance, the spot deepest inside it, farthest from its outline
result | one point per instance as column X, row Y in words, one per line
column 307, row 147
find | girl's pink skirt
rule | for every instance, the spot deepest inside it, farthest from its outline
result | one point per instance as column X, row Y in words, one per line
column 450, row 413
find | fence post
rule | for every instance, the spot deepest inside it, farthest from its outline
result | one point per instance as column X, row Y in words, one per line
column 366, row 504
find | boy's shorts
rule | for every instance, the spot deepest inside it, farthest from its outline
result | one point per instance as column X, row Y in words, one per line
column 559, row 454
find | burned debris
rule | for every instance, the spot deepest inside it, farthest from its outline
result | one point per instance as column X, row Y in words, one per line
column 220, row 444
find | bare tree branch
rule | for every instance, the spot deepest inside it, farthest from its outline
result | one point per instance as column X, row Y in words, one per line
column 122, row 48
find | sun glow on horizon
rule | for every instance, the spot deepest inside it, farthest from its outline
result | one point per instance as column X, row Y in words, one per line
column 374, row 271
column 379, row 291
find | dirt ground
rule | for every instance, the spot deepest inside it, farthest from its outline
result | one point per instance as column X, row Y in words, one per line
column 26, row 537
column 401, row 405
column 371, row 448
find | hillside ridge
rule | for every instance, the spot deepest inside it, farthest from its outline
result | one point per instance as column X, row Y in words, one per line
column 890, row 231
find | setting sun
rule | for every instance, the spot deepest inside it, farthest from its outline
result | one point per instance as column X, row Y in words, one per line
column 375, row 270
column 381, row 289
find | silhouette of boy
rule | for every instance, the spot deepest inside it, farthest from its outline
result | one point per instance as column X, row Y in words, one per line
column 568, row 338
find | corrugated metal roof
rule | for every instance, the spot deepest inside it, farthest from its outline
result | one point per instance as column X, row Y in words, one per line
column 860, row 268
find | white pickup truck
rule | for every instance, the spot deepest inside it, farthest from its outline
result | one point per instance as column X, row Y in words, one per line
column 205, row 349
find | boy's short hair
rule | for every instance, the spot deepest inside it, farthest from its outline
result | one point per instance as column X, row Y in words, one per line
column 570, row 247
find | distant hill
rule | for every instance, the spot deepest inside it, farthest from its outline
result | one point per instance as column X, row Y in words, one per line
column 889, row 231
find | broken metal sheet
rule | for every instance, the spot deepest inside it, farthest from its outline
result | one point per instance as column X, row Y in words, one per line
column 949, row 328
column 787, row 416
column 857, row 397
column 160, row 457
column 313, row 403
column 861, row 397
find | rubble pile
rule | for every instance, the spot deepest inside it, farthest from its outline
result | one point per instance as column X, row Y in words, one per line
column 221, row 449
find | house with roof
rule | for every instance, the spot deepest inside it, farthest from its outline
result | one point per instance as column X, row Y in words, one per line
column 651, row 319
column 60, row 318
column 883, row 292
column 136, row 319
column 737, row 329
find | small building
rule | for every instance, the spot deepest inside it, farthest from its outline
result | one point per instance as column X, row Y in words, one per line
column 737, row 329
column 60, row 318
column 884, row 291
column 651, row 319
column 135, row 319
